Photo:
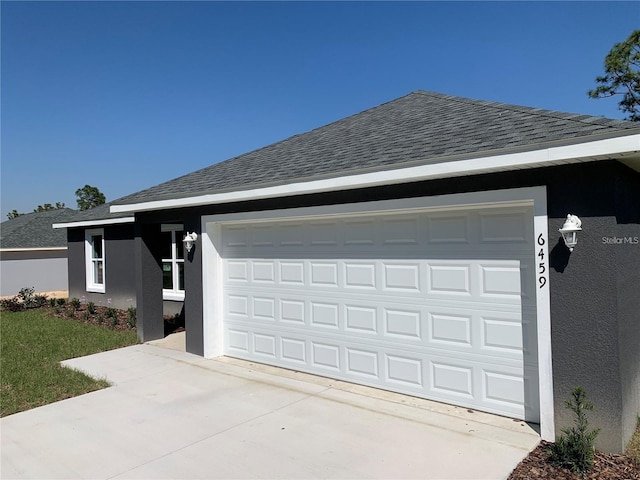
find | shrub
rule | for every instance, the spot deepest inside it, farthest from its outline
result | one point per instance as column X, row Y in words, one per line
column 112, row 313
column 39, row 301
column 131, row 321
column 57, row 310
column 12, row 304
column 75, row 303
column 61, row 301
column 113, row 320
column 52, row 302
column 100, row 319
column 70, row 312
column 91, row 308
column 26, row 294
column 574, row 449
column 86, row 315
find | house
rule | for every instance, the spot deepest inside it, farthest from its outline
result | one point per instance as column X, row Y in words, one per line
column 413, row 247
column 32, row 253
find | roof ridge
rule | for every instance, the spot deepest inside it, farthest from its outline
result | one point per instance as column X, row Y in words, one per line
column 525, row 109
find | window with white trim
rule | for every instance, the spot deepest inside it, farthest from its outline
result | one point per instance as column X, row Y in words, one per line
column 94, row 258
column 172, row 262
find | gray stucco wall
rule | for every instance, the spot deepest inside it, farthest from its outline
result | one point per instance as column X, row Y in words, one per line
column 46, row 271
column 120, row 285
column 594, row 291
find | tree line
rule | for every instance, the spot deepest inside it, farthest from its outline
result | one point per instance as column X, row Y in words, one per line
column 86, row 197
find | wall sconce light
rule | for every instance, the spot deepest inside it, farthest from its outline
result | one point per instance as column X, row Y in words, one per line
column 569, row 231
column 189, row 240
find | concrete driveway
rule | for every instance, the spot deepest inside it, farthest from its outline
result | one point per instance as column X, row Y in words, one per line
column 170, row 414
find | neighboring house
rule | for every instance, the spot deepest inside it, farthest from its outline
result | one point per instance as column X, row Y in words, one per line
column 32, row 253
column 412, row 247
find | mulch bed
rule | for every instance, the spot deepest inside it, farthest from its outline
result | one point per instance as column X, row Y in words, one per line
column 101, row 316
column 606, row 467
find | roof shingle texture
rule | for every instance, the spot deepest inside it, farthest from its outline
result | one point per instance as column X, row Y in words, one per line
column 419, row 128
column 100, row 212
column 33, row 230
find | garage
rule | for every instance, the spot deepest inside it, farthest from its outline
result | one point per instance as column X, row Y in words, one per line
column 435, row 302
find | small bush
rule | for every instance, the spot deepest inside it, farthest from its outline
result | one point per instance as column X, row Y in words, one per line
column 70, row 312
column 112, row 313
column 131, row 321
column 57, row 310
column 86, row 315
column 12, row 304
column 574, row 449
column 26, row 295
column 40, row 301
column 61, row 301
column 52, row 302
column 91, row 308
column 100, row 319
column 113, row 321
column 75, row 303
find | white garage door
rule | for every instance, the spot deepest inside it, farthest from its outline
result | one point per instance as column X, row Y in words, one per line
column 434, row 304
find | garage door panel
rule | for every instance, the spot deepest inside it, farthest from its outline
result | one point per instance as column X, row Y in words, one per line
column 457, row 379
column 494, row 282
column 442, row 326
column 469, row 353
column 448, row 229
column 435, row 304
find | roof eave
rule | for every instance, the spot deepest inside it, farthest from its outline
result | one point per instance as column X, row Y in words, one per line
column 95, row 223
column 625, row 147
column 32, row 249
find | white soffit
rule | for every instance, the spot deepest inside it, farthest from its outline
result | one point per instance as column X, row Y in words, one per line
column 618, row 148
column 94, row 223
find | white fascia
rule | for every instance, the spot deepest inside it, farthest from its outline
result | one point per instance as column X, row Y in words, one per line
column 583, row 152
column 34, row 249
column 94, row 223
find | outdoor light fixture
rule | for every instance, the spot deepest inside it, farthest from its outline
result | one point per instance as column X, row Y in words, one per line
column 189, row 240
column 569, row 231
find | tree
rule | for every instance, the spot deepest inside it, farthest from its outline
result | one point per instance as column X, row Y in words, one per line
column 47, row 206
column 14, row 214
column 89, row 197
column 622, row 76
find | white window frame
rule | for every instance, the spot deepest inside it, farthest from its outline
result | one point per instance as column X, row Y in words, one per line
column 175, row 293
column 91, row 285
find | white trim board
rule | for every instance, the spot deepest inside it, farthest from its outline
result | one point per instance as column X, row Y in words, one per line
column 536, row 196
column 34, row 249
column 612, row 148
column 95, row 223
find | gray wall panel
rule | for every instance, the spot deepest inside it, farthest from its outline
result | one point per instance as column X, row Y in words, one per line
column 44, row 271
column 193, row 290
column 120, row 286
column 148, row 281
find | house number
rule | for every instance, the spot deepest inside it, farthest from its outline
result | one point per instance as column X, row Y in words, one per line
column 542, row 269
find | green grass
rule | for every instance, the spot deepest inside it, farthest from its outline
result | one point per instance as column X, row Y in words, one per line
column 32, row 346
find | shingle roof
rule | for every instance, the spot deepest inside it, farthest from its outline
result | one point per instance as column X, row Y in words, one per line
column 33, row 230
column 415, row 129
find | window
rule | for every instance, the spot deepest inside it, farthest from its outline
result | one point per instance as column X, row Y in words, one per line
column 94, row 257
column 172, row 262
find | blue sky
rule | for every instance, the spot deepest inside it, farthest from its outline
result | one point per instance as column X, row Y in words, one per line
column 126, row 95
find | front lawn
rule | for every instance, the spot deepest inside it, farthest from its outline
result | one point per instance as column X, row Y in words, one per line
column 33, row 343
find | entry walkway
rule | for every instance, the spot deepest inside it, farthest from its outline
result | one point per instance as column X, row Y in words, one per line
column 170, row 414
